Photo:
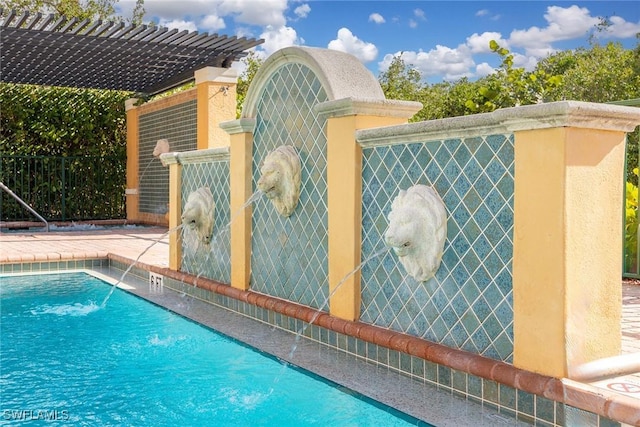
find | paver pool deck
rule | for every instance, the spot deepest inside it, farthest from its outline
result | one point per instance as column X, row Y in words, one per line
column 150, row 245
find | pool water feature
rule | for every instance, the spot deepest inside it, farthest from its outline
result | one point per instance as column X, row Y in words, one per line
column 134, row 363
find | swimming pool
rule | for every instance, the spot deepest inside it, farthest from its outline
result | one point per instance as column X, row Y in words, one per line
column 134, row 363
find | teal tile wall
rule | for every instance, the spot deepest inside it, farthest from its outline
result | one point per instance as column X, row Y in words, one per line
column 214, row 260
column 289, row 255
column 176, row 124
column 469, row 303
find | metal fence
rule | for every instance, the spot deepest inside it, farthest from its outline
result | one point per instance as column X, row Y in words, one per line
column 63, row 188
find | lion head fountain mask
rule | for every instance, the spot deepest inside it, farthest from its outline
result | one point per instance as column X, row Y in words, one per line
column 417, row 230
column 280, row 178
column 198, row 214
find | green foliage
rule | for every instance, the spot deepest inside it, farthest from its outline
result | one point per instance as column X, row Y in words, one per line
column 511, row 87
column 253, row 64
column 85, row 9
column 63, row 122
column 400, row 81
column 598, row 74
column 39, row 120
column 631, row 227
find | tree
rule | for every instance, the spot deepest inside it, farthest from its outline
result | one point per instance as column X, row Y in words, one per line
column 50, row 121
column 400, row 81
column 511, row 87
column 87, row 9
column 253, row 64
column 599, row 74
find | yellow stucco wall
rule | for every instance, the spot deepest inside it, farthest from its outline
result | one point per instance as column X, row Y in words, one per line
column 216, row 104
column 567, row 240
column 132, row 198
column 240, row 154
column 344, row 200
column 175, row 212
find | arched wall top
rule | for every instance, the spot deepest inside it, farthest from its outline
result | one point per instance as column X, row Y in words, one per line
column 341, row 75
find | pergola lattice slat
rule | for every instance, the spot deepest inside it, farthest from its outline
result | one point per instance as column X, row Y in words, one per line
column 55, row 51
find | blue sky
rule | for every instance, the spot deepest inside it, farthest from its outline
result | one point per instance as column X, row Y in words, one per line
column 444, row 40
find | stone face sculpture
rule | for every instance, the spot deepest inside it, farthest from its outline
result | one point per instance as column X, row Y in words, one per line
column 198, row 214
column 162, row 146
column 280, row 178
column 417, row 230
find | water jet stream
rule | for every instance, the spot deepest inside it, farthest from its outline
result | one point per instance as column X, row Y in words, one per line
column 215, row 245
column 326, row 301
column 115, row 285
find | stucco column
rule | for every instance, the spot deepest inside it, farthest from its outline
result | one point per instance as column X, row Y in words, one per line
column 240, row 155
column 131, row 192
column 216, row 99
column 569, row 168
column 175, row 208
column 344, row 191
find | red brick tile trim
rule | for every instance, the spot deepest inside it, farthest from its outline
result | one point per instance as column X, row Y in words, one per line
column 611, row 405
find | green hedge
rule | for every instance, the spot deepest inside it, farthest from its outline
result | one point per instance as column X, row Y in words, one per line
column 84, row 124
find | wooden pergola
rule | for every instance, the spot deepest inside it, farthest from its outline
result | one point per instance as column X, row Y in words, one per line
column 56, row 51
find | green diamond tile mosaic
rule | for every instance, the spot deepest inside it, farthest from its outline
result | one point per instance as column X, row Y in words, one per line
column 289, row 255
column 176, row 124
column 469, row 303
column 214, row 260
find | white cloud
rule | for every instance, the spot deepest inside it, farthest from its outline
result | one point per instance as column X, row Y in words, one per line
column 266, row 12
column 251, row 12
column 486, row 13
column 349, row 43
column 278, row 38
column 377, row 18
column 419, row 13
column 441, row 61
column 412, row 23
column 563, row 24
column 527, row 62
column 620, row 28
column 302, row 11
column 479, row 43
column 211, row 23
column 180, row 24
column 484, row 69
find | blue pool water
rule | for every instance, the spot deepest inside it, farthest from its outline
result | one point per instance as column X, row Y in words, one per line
column 64, row 358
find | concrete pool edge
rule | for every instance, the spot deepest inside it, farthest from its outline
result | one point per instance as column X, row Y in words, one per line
column 605, row 403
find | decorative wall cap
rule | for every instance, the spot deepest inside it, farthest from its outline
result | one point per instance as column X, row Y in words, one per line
column 578, row 114
column 342, row 75
column 508, row 120
column 244, row 125
column 196, row 156
column 368, row 107
column 130, row 104
column 216, row 74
